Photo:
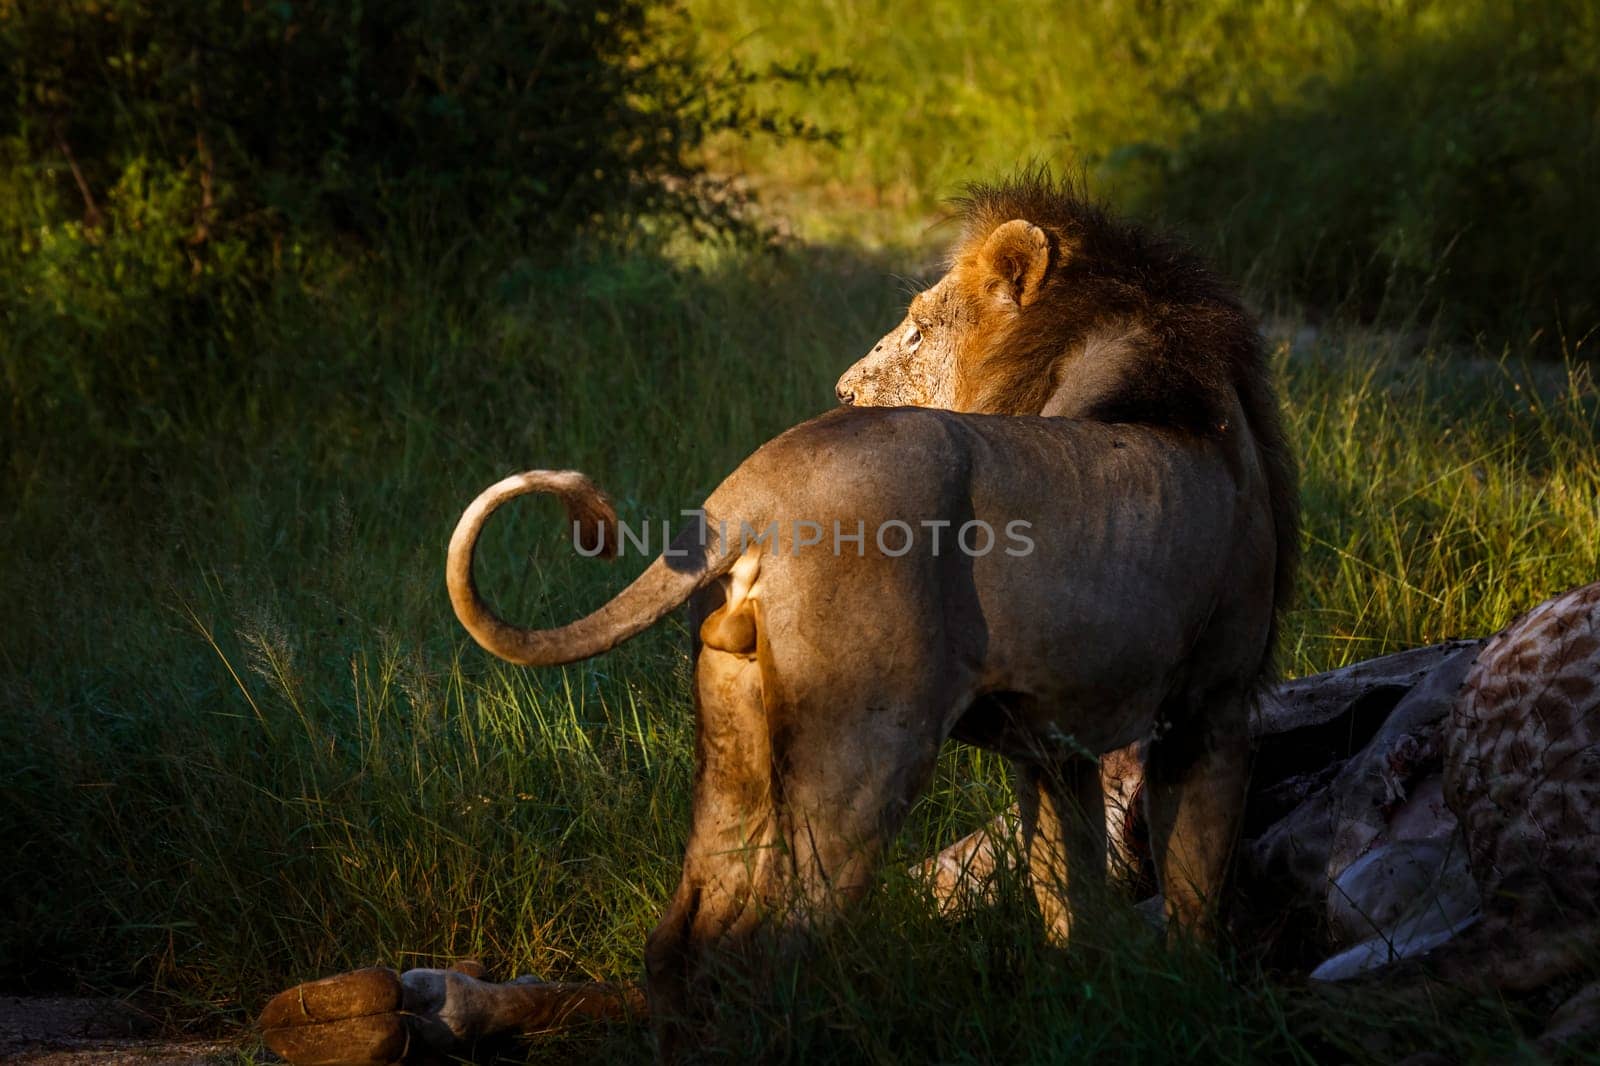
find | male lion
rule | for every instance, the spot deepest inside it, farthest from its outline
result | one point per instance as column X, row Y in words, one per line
column 1158, row 500
column 1126, row 327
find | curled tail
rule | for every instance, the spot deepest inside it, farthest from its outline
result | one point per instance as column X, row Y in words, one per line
column 665, row 584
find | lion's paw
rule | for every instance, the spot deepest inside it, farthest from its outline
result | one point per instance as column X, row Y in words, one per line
column 353, row 1019
column 376, row 1016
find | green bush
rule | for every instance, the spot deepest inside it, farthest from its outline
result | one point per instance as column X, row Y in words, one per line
column 166, row 168
column 543, row 114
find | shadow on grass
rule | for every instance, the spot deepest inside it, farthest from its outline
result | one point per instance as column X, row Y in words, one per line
column 1452, row 179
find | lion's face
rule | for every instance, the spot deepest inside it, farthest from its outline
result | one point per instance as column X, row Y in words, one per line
column 950, row 329
column 915, row 364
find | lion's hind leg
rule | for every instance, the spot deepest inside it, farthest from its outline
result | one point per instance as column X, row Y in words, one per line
column 1064, row 829
column 800, row 781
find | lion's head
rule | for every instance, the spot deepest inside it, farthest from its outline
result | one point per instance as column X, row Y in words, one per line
column 942, row 354
column 1050, row 306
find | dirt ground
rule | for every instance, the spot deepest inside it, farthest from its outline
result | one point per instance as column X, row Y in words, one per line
column 95, row 1032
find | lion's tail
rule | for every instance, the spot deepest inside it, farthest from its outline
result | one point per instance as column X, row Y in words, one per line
column 664, row 585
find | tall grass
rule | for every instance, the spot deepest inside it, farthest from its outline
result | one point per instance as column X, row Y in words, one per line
column 249, row 745
column 1442, row 494
column 1358, row 154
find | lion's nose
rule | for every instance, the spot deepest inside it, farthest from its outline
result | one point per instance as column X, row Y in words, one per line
column 847, row 396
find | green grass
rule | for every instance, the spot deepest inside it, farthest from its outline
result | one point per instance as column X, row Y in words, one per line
column 250, row 745
column 1375, row 156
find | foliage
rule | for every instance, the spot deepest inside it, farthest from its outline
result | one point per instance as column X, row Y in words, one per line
column 544, row 117
column 165, row 166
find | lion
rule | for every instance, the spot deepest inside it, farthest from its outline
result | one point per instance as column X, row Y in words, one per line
column 1155, row 503
column 1133, row 325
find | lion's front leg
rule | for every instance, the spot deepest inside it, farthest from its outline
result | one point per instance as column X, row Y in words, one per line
column 1064, row 833
column 1197, row 773
column 963, row 876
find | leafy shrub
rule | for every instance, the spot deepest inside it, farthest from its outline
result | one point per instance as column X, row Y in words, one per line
column 165, row 166
column 547, row 115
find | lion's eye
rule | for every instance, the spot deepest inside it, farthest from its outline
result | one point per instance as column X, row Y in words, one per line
column 912, row 338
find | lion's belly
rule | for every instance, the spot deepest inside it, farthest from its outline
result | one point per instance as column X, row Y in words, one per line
column 1100, row 687
column 1085, row 722
column 1090, row 654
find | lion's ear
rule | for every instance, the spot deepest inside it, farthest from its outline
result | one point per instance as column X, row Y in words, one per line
column 1017, row 256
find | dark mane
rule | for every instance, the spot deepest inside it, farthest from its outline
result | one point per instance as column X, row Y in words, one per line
column 1197, row 346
